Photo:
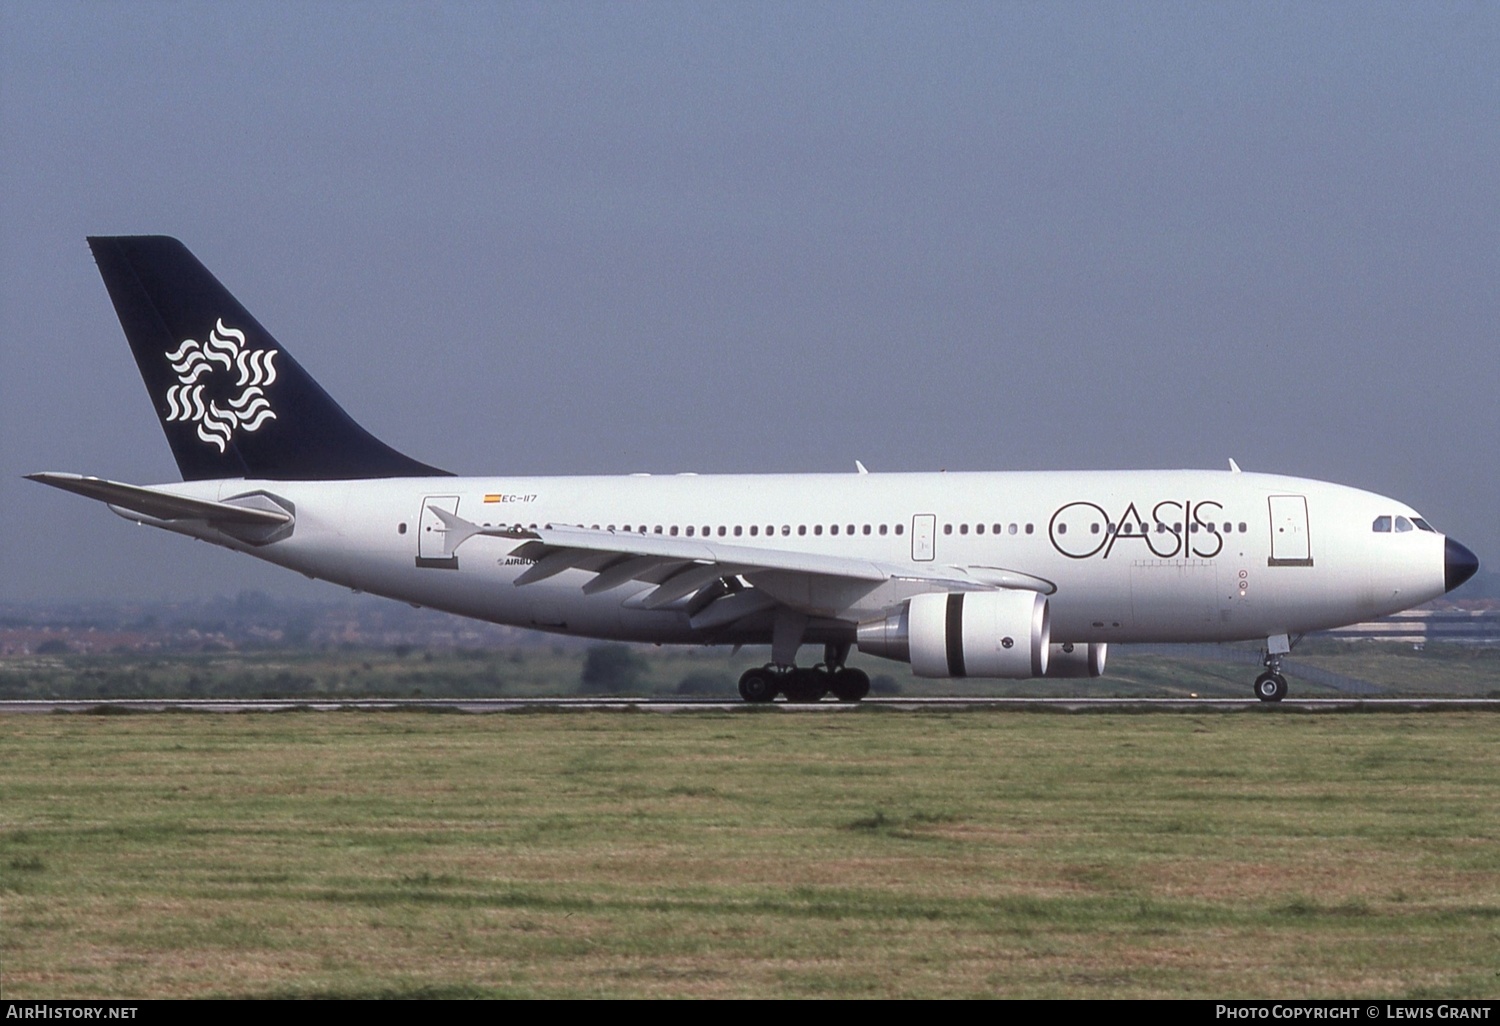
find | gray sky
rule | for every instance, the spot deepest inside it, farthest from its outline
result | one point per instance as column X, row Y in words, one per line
column 599, row 238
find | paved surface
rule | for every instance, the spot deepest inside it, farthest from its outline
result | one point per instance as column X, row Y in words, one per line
column 498, row 705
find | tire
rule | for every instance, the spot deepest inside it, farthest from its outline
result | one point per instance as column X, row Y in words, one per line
column 806, row 685
column 758, row 686
column 850, row 685
column 1270, row 687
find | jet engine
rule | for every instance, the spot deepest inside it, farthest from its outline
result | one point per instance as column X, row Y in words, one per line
column 1084, row 659
column 966, row 634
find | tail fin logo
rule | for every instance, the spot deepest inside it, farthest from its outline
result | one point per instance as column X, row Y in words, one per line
column 242, row 406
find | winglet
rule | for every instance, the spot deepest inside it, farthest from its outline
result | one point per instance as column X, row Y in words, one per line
column 860, row 467
column 457, row 530
column 1234, row 468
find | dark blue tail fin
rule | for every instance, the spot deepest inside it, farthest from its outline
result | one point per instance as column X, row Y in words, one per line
column 232, row 402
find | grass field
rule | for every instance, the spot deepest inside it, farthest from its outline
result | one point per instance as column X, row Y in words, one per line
column 750, row 854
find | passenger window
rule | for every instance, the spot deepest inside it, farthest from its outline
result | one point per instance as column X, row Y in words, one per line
column 689, row 530
column 754, row 530
column 786, row 529
column 738, row 530
column 963, row 528
column 674, row 530
column 802, row 529
column 817, row 528
column 1382, row 525
column 867, row 529
column 998, row 528
column 1403, row 525
column 1029, row 528
column 978, row 528
column 1243, row 528
column 833, row 528
column 947, row 528
column 1013, row 528
column 900, row 528
column 882, row 529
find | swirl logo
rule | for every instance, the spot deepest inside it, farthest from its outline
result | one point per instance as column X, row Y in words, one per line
column 245, row 407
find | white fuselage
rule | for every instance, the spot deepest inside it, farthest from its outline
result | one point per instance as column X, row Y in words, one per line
column 1224, row 556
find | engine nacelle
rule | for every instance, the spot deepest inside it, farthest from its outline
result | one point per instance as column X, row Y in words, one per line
column 966, row 634
column 1084, row 659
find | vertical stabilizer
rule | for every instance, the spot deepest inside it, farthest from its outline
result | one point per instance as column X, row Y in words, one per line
column 232, row 401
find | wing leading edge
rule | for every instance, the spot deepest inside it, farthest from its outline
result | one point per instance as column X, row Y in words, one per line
column 699, row 569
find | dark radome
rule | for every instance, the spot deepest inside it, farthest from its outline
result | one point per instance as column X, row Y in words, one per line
column 1459, row 565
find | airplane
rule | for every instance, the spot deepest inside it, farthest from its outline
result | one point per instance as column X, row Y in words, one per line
column 981, row 575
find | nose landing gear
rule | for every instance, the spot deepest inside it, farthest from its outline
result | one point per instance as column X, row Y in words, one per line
column 1271, row 685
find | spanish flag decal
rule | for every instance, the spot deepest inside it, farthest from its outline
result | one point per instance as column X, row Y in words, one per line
column 492, row 497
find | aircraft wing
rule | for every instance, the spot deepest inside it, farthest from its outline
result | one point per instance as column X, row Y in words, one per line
column 162, row 505
column 682, row 567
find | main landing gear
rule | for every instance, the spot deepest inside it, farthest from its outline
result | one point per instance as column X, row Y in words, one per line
column 803, row 684
column 807, row 684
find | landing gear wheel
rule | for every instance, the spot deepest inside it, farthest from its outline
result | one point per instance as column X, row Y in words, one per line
column 850, row 685
column 806, row 685
column 1270, row 687
column 758, row 685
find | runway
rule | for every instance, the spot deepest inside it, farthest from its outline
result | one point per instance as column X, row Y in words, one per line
column 657, row 705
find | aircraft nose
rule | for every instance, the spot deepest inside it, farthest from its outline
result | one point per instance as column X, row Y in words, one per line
column 1459, row 564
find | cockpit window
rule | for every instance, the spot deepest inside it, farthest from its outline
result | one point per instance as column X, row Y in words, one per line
column 1422, row 524
column 1403, row 524
column 1382, row 525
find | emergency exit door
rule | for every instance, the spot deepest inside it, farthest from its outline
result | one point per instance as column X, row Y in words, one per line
column 432, row 535
column 923, row 535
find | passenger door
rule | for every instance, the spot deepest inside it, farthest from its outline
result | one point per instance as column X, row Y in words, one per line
column 1290, row 543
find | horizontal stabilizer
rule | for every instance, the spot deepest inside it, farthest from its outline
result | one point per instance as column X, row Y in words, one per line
column 161, row 505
